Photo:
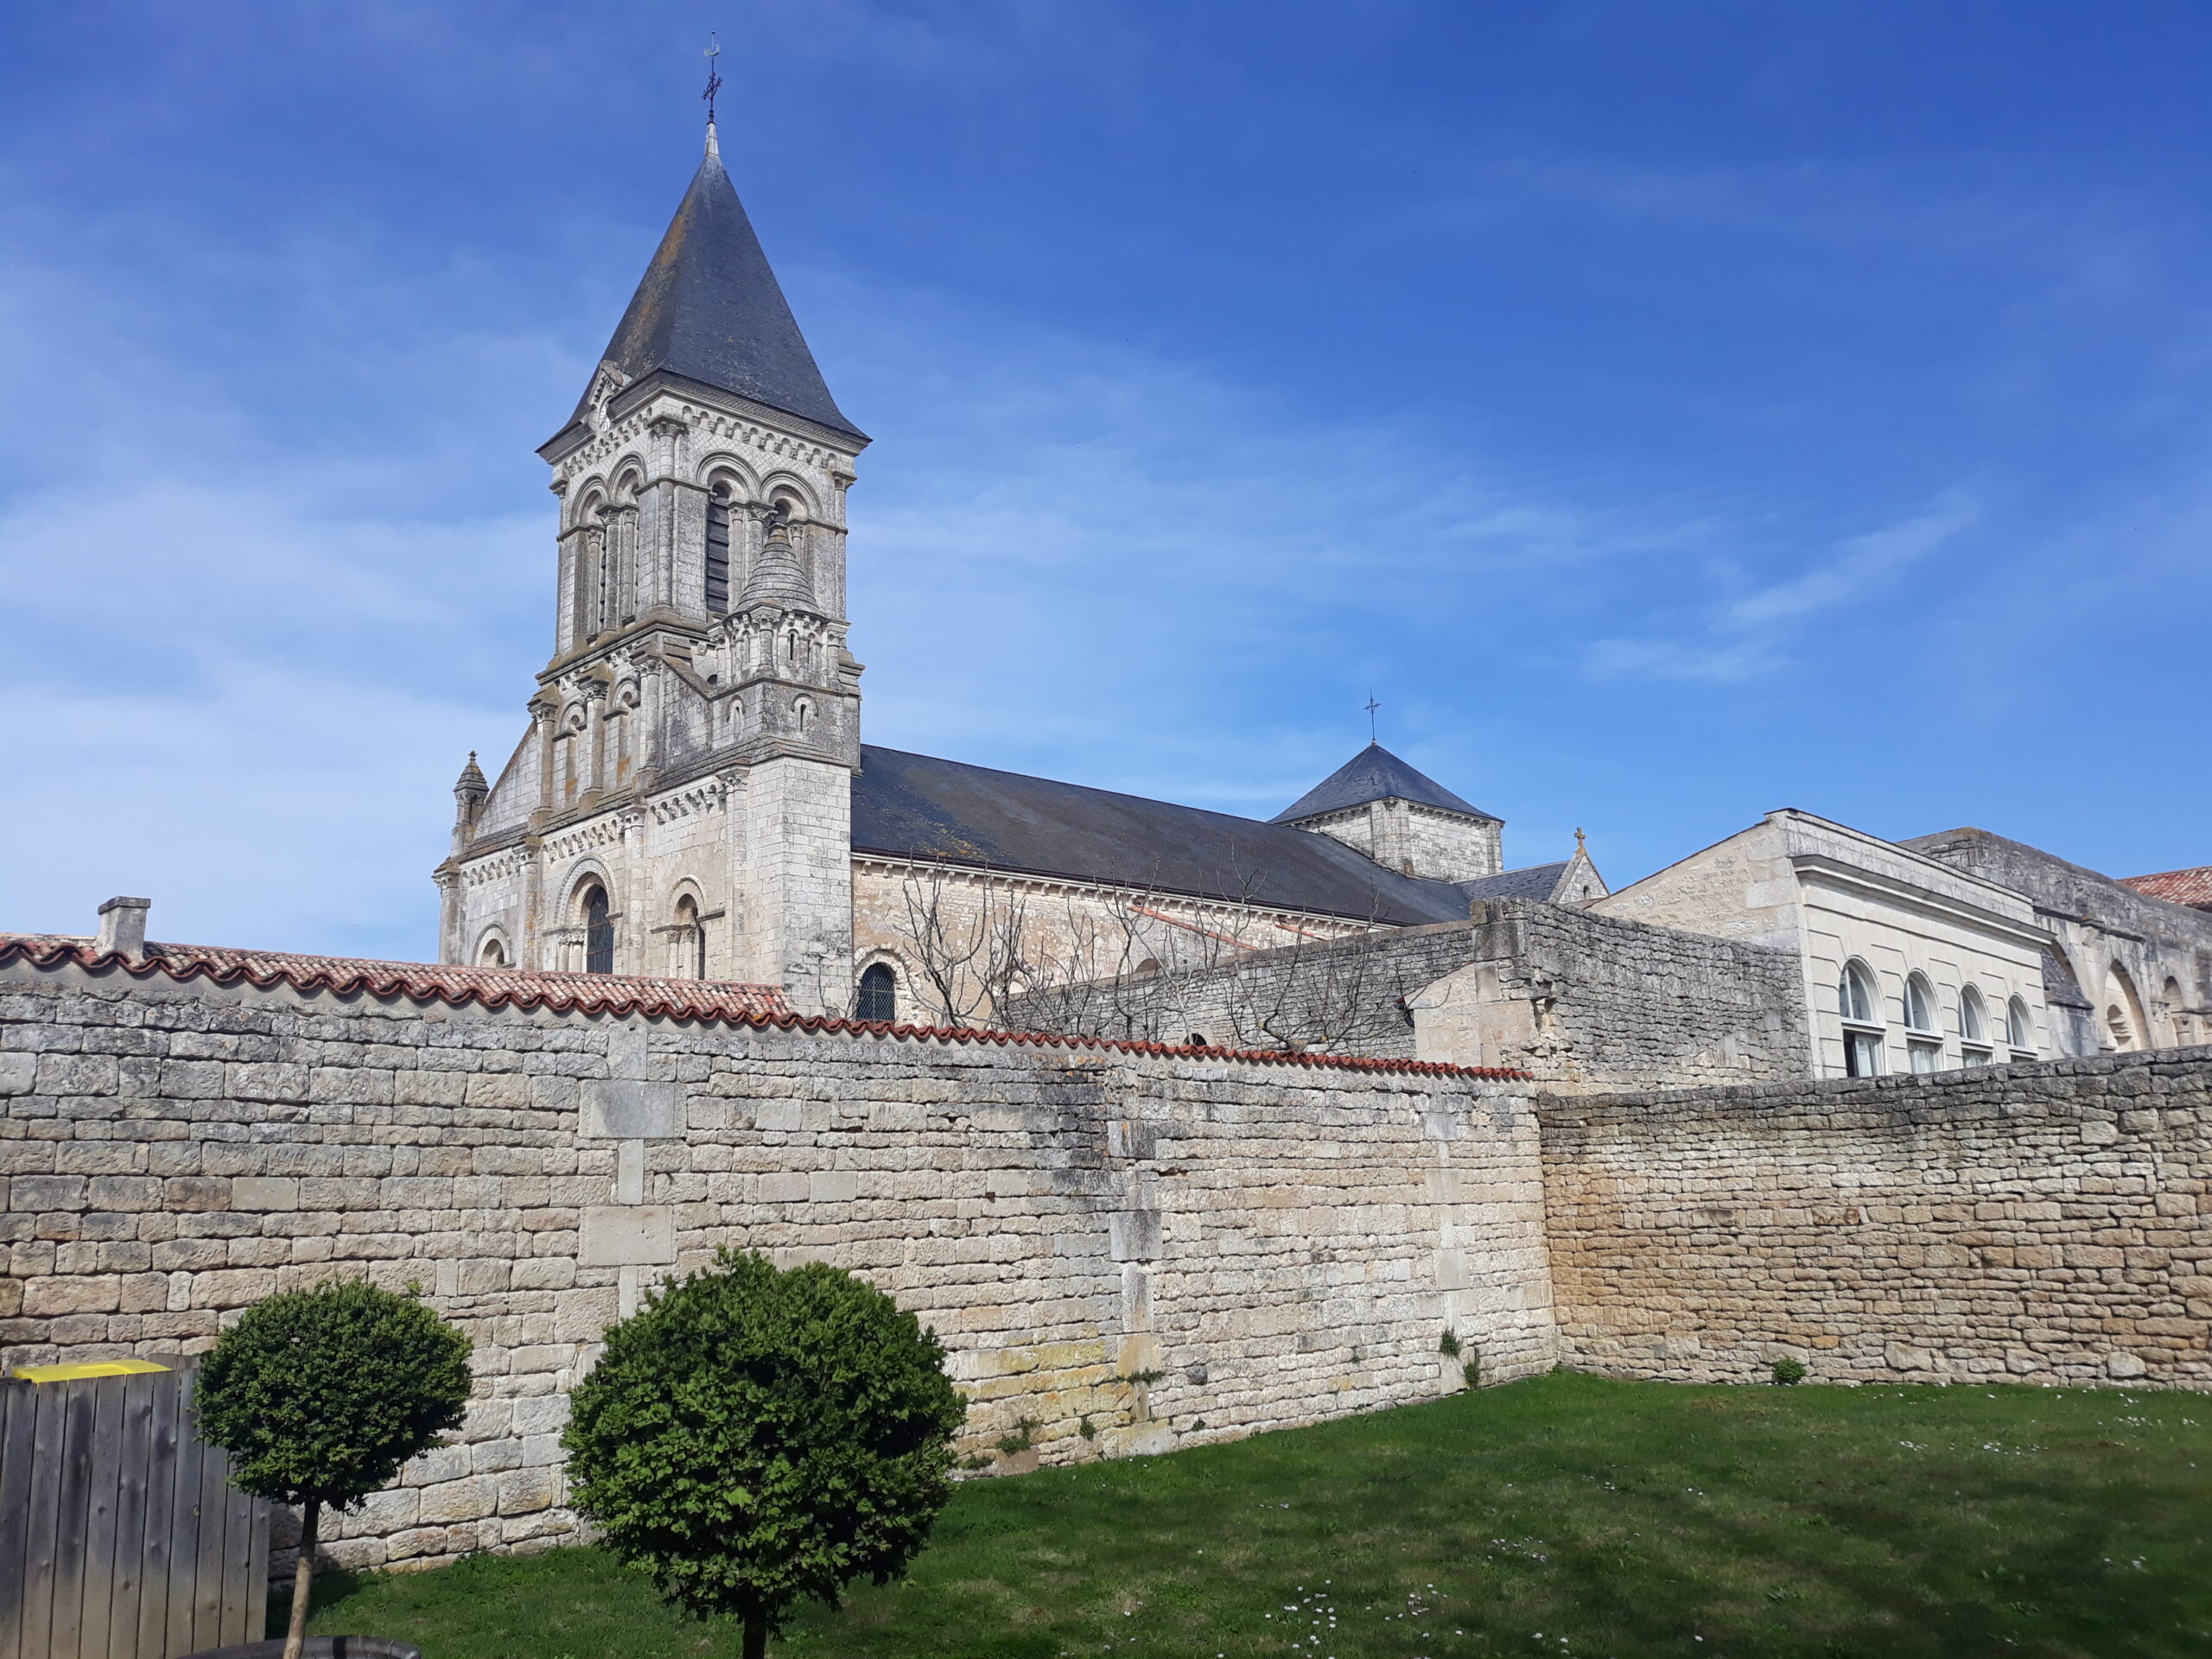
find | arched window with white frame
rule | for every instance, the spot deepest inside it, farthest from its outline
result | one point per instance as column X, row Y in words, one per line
column 1858, row 1002
column 1923, row 1042
column 2019, row 1029
column 1973, row 1029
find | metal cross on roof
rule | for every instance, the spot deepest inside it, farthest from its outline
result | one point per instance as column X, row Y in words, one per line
column 713, row 80
column 1371, row 705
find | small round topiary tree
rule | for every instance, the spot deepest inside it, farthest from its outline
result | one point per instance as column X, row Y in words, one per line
column 751, row 1437
column 319, row 1395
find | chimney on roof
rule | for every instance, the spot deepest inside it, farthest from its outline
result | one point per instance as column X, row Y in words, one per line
column 122, row 927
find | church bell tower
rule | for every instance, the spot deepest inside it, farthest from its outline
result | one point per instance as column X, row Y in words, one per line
column 682, row 802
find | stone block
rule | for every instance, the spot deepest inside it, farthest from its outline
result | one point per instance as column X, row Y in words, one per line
column 527, row 1490
column 621, row 1109
column 45, row 1298
column 1134, row 1235
column 621, row 1235
column 832, row 1187
column 264, row 1192
column 470, row 1499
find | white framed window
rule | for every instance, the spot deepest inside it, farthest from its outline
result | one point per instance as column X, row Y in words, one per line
column 2019, row 1029
column 1973, row 1029
column 1923, row 1046
column 1859, row 1004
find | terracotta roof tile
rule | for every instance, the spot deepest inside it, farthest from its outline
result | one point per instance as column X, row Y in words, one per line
column 2191, row 887
column 759, row 1006
column 425, row 982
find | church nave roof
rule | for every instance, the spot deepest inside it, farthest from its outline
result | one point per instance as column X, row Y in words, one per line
column 918, row 806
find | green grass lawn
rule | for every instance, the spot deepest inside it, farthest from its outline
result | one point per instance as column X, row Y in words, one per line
column 1566, row 1516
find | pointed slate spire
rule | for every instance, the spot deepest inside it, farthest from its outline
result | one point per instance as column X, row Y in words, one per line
column 1375, row 774
column 710, row 310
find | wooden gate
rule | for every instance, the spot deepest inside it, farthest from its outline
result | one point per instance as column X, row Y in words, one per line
column 120, row 1534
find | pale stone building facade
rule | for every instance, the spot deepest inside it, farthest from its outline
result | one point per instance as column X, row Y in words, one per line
column 692, row 796
column 1908, row 963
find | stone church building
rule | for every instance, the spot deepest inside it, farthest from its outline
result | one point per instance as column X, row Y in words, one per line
column 693, row 799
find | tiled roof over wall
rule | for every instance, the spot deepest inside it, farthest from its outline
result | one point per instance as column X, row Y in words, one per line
column 2191, row 887
column 423, row 982
column 759, row 1006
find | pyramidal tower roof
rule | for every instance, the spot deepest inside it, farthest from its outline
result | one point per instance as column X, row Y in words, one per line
column 710, row 310
column 1375, row 774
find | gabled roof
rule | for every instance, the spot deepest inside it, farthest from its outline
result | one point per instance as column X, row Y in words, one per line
column 915, row 806
column 710, row 310
column 1376, row 775
column 2191, row 887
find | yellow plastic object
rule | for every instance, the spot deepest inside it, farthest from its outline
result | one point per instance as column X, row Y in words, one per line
column 92, row 1368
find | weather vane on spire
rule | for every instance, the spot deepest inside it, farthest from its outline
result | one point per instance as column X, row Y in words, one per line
column 713, row 80
column 1371, row 705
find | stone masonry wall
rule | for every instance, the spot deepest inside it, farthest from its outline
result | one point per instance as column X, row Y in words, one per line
column 2044, row 1222
column 1576, row 1000
column 1179, row 1249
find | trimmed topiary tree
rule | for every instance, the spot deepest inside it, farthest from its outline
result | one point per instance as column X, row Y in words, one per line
column 319, row 1395
column 752, row 1437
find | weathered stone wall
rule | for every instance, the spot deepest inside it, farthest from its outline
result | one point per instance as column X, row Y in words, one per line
column 1280, row 1243
column 1578, row 1000
column 2044, row 1222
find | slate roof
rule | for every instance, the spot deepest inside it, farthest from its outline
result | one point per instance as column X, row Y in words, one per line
column 2191, row 887
column 1535, row 881
column 710, row 310
column 916, row 806
column 1375, row 774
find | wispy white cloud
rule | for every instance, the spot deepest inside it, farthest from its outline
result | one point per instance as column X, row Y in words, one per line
column 1751, row 633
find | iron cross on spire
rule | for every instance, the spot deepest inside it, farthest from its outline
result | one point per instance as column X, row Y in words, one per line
column 1371, row 705
column 713, row 80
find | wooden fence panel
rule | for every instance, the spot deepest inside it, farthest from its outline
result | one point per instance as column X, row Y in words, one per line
column 121, row 1536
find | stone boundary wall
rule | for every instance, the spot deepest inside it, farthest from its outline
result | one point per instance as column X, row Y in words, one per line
column 2039, row 1223
column 1577, row 999
column 1273, row 1243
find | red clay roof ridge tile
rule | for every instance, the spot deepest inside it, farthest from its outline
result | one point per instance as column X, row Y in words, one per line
column 731, row 1001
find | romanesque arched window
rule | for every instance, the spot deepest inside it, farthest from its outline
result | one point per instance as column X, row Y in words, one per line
column 690, row 940
column 599, row 931
column 1974, row 1028
column 718, row 551
column 2019, row 1029
column 879, row 997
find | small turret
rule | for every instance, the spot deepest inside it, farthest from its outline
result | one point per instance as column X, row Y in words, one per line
column 469, row 792
column 778, row 578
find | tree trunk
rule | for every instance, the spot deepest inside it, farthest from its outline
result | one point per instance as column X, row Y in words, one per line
column 310, row 1524
column 756, row 1636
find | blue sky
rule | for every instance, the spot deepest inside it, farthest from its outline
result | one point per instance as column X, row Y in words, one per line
column 1668, row 412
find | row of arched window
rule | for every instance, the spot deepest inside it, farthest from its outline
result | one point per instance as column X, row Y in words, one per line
column 1866, row 1029
column 876, row 995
